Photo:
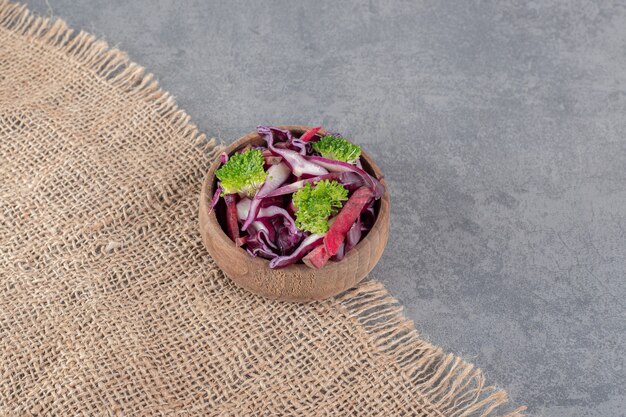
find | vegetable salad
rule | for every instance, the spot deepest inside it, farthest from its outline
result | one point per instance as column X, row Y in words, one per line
column 297, row 199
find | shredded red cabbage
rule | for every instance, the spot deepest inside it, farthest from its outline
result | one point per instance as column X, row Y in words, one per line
column 304, row 248
column 276, row 176
column 349, row 180
column 297, row 162
column 265, row 225
column 216, row 196
column 340, row 166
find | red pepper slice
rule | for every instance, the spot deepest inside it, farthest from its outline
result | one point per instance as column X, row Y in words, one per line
column 317, row 258
column 308, row 135
column 346, row 218
column 231, row 216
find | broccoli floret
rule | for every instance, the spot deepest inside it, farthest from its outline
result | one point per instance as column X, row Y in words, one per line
column 314, row 205
column 336, row 147
column 243, row 173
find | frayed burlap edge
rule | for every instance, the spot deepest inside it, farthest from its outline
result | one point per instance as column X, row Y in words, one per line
column 109, row 64
column 448, row 385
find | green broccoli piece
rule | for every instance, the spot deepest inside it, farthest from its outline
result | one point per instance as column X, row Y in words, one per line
column 336, row 147
column 243, row 173
column 314, row 205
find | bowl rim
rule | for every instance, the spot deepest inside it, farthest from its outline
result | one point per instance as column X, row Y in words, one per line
column 208, row 189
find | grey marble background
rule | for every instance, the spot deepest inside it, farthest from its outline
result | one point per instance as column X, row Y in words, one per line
column 500, row 126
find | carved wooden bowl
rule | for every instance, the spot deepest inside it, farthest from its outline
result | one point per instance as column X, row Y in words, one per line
column 296, row 282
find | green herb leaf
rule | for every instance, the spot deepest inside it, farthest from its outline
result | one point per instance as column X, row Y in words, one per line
column 337, row 148
column 243, row 173
column 314, row 205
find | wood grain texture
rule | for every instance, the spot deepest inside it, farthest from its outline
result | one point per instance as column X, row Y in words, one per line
column 296, row 282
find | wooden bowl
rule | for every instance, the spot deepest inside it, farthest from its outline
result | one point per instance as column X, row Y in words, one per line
column 297, row 282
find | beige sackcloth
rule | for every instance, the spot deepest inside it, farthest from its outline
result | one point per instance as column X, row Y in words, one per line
column 109, row 303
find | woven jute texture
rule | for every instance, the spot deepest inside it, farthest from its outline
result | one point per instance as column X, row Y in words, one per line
column 109, row 304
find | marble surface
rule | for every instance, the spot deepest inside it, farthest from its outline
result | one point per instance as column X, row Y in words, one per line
column 500, row 127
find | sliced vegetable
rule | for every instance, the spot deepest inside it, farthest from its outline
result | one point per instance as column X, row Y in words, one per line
column 255, row 249
column 339, row 166
column 291, row 208
column 341, row 252
column 314, row 205
column 216, row 196
column 261, row 230
column 346, row 217
column 243, row 210
column 231, row 216
column 256, row 245
column 282, row 135
column 306, row 207
column 310, row 134
column 298, row 164
column 354, row 235
column 285, row 239
column 368, row 217
column 243, row 173
column 338, row 148
column 272, row 201
column 317, row 258
column 298, row 146
column 276, row 176
column 348, row 180
column 275, row 211
column 307, row 244
column 219, row 189
column 265, row 232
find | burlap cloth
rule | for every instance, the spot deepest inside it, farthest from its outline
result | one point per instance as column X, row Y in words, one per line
column 109, row 304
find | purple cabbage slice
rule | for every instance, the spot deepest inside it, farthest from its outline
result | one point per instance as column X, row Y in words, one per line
column 349, row 180
column 265, row 231
column 298, row 163
column 219, row 189
column 271, row 201
column 368, row 217
column 258, row 242
column 291, row 208
column 276, row 176
column 275, row 211
column 285, row 239
column 262, row 227
column 305, row 247
column 353, row 236
column 339, row 166
column 256, row 247
column 216, row 196
column 298, row 146
column 282, row 135
column 302, row 147
column 243, row 211
column 278, row 224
